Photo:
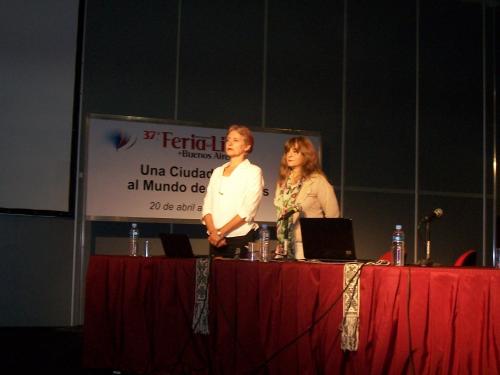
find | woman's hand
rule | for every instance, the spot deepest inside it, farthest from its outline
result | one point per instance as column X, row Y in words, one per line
column 215, row 239
column 279, row 250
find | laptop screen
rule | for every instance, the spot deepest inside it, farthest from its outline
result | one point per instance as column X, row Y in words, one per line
column 176, row 245
column 329, row 239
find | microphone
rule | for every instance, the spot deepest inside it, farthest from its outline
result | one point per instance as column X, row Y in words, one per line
column 436, row 214
column 287, row 214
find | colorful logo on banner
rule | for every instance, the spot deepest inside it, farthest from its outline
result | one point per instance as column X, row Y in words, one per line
column 121, row 140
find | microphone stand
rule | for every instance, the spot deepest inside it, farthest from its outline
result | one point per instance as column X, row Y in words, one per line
column 286, row 242
column 426, row 262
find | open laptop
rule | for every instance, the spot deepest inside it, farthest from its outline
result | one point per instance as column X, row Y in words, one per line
column 176, row 245
column 328, row 239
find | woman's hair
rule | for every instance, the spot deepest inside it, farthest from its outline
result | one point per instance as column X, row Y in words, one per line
column 311, row 160
column 245, row 133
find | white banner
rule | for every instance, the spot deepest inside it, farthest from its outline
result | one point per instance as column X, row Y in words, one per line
column 146, row 169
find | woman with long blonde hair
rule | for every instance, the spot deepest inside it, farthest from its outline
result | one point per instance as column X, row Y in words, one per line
column 302, row 191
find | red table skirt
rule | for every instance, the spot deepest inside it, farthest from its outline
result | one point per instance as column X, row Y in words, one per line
column 284, row 318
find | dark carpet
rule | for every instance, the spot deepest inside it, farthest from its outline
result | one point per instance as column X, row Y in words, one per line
column 51, row 350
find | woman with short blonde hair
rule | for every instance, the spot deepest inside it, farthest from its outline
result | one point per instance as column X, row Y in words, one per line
column 233, row 196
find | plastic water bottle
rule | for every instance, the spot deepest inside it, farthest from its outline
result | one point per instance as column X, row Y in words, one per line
column 264, row 242
column 133, row 240
column 398, row 246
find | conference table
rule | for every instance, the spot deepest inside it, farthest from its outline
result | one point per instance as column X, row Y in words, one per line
column 286, row 318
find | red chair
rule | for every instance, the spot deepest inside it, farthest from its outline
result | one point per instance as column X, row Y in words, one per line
column 466, row 259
